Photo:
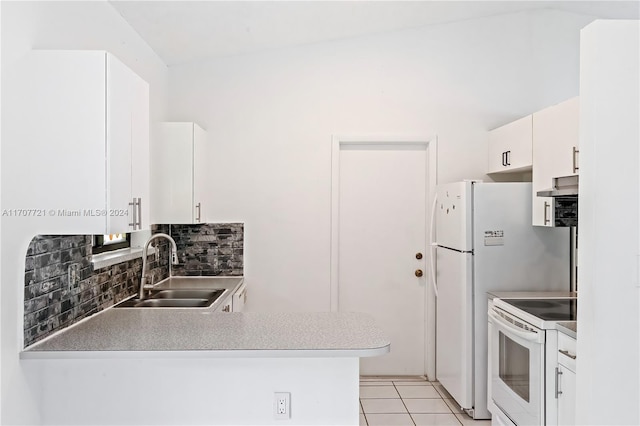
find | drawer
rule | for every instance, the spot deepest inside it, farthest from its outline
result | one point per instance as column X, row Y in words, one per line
column 567, row 351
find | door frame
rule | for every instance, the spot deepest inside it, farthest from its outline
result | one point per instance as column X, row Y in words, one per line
column 431, row 146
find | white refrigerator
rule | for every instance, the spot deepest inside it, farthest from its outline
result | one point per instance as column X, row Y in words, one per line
column 485, row 241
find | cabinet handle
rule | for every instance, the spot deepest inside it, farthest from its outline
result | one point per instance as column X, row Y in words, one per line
column 546, row 215
column 576, row 151
column 567, row 353
column 139, row 213
column 133, row 214
column 558, row 374
column 199, row 210
column 508, row 158
column 504, row 159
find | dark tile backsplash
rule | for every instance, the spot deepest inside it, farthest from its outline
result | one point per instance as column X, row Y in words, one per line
column 61, row 286
column 566, row 211
column 208, row 248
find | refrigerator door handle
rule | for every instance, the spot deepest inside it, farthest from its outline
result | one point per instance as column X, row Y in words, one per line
column 432, row 245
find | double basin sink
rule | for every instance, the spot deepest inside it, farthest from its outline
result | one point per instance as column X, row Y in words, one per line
column 174, row 299
column 184, row 292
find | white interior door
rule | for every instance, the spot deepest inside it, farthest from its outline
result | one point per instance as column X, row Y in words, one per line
column 382, row 226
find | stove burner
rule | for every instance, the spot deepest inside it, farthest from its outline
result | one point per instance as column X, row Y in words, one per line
column 563, row 309
column 555, row 316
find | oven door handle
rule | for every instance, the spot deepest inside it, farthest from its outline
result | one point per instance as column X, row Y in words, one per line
column 530, row 336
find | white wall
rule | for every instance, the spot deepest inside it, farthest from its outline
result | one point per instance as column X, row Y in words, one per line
column 608, row 347
column 270, row 118
column 50, row 25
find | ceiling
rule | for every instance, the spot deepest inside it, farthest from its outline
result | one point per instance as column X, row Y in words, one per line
column 186, row 31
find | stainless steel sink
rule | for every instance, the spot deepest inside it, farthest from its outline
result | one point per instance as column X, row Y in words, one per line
column 187, row 298
column 172, row 303
column 185, row 294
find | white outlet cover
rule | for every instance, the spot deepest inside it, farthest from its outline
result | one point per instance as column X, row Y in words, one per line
column 282, row 405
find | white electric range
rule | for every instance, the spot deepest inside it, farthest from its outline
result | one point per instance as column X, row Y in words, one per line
column 522, row 348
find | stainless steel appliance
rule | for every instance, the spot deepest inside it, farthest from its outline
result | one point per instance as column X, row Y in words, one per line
column 519, row 348
column 485, row 242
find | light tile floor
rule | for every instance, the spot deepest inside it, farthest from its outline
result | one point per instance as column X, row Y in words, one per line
column 410, row 401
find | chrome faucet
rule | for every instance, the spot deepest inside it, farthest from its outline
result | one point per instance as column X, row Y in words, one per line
column 173, row 255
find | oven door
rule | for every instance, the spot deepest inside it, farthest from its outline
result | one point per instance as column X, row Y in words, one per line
column 516, row 368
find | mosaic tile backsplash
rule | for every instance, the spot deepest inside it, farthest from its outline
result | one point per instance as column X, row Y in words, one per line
column 207, row 249
column 61, row 286
column 566, row 211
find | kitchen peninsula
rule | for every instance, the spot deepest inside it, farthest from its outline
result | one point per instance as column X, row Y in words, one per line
column 193, row 366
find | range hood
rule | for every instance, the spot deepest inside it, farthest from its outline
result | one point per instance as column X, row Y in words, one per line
column 564, row 203
column 565, row 186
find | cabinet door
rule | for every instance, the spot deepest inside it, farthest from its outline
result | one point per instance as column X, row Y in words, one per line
column 567, row 397
column 172, row 173
column 510, row 146
column 120, row 99
column 497, row 151
column 140, row 152
column 200, row 161
column 53, row 141
column 543, row 213
column 555, row 146
column 555, row 138
column 226, row 305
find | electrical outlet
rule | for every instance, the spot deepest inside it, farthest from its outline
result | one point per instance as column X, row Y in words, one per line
column 74, row 275
column 282, row 405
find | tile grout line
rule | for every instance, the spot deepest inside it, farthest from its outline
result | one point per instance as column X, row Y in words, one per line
column 366, row 422
column 395, row 386
column 440, row 396
column 405, row 405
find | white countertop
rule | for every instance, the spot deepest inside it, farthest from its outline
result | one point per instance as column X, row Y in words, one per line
column 178, row 333
column 570, row 328
column 201, row 332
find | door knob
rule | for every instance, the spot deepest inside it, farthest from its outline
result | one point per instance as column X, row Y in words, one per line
column 418, row 256
column 418, row 273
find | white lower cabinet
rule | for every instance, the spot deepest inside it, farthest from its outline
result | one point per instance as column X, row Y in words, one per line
column 77, row 134
column 234, row 302
column 239, row 298
column 226, row 305
column 566, row 396
column 566, row 380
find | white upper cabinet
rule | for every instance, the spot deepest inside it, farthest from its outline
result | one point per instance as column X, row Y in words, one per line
column 510, row 147
column 179, row 161
column 83, row 151
column 555, row 153
column 127, row 147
